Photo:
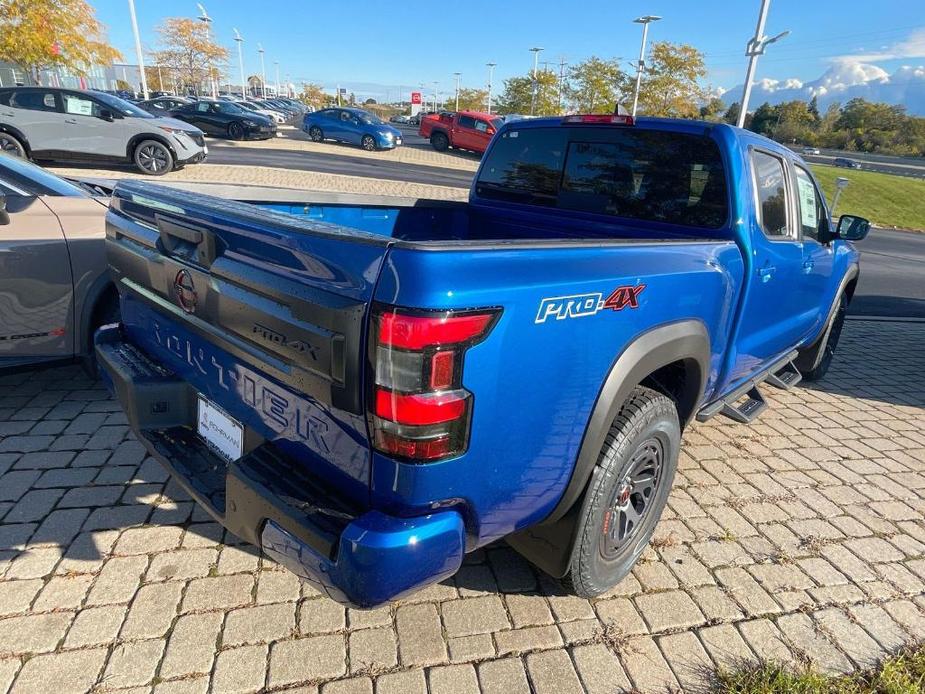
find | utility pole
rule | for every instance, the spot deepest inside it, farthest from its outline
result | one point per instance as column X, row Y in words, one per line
column 263, row 72
column 536, row 58
column 753, row 49
column 141, row 60
column 641, row 65
column 491, row 70
column 204, row 17
column 239, row 40
column 562, row 65
column 457, row 74
column 435, row 95
column 276, row 63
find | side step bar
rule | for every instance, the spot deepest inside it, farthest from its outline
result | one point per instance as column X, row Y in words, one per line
column 745, row 403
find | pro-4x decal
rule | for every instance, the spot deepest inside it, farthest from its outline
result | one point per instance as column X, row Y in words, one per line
column 578, row 305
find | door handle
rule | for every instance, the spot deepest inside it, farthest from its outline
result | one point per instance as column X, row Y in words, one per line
column 72, row 121
column 808, row 266
column 766, row 272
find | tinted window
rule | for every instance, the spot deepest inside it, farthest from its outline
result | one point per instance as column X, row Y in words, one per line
column 524, row 165
column 655, row 176
column 77, row 105
column 122, row 106
column 33, row 100
column 772, row 197
column 466, row 122
column 809, row 202
column 33, row 179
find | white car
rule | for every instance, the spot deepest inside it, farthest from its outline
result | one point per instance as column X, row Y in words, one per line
column 277, row 117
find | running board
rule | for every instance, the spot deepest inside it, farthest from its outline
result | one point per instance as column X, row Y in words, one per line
column 745, row 411
column 786, row 378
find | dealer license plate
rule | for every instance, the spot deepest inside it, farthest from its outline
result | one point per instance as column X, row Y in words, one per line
column 224, row 434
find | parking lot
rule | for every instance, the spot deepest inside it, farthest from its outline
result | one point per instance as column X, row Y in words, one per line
column 799, row 538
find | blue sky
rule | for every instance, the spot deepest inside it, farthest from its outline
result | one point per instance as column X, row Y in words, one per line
column 376, row 46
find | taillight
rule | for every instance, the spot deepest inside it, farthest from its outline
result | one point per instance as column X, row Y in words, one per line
column 599, row 119
column 418, row 408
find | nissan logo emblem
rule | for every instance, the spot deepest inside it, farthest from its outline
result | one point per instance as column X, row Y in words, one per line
column 186, row 291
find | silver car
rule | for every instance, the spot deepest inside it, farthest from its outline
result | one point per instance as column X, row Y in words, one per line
column 48, row 123
column 55, row 288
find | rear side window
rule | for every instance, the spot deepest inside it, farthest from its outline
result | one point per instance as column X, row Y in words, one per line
column 771, row 192
column 659, row 176
column 466, row 122
column 34, row 100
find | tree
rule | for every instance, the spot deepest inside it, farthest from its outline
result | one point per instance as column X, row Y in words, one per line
column 313, row 95
column 713, row 109
column 813, row 109
column 594, row 85
column 370, row 102
column 731, row 115
column 469, row 100
column 189, row 52
column 518, row 91
column 763, row 120
column 670, row 85
column 40, row 34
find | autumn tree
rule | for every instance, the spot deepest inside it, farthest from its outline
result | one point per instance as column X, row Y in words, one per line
column 518, row 94
column 713, row 109
column 313, row 95
column 41, row 34
column 188, row 50
column 469, row 100
column 594, row 85
column 671, row 83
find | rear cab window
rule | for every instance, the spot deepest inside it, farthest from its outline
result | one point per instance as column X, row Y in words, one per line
column 627, row 172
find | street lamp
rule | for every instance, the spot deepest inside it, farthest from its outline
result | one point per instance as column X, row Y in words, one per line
column 491, row 69
column 204, row 17
column 753, row 49
column 840, row 184
column 240, row 40
column 263, row 72
column 457, row 74
column 640, row 66
column 435, row 95
column 536, row 59
column 276, row 63
column 141, row 61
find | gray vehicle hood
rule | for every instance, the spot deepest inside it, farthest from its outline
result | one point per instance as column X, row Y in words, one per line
column 177, row 125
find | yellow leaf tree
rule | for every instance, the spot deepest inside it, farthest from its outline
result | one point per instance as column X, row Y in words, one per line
column 41, row 34
column 671, row 83
column 188, row 50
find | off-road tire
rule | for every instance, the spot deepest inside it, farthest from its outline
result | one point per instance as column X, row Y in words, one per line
column 646, row 419
column 440, row 141
column 814, row 362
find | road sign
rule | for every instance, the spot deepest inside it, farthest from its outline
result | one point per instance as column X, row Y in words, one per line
column 415, row 97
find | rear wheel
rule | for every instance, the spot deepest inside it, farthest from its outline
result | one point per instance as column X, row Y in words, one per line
column 368, row 143
column 153, row 158
column 627, row 493
column 440, row 142
column 235, row 130
column 815, row 361
column 11, row 145
column 315, row 133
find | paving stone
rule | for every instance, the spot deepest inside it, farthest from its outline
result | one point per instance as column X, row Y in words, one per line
column 148, row 540
column 503, row 676
column 850, row 637
column 688, row 660
column 518, row 641
column 453, row 679
column 567, row 608
column 621, row 613
column 420, row 636
column 307, row 659
column 321, row 616
column 58, row 528
column 879, row 625
column 16, row 596
column 34, row 563
column 407, row 682
column 354, row 685
column 63, row 673
column 366, row 619
column 746, row 591
column 63, row 593
column 8, row 669
column 152, row 611
column 219, row 592
column 33, row 506
column 715, row 604
column 528, row 610
column 599, row 669
column 87, row 552
column 907, row 615
column 95, row 626
column 372, row 650
column 277, row 586
column 259, row 624
column 726, row 646
column 766, row 640
column 240, row 670
column 464, row 649
column 133, row 664
column 581, row 631
column 671, row 610
column 117, row 517
column 192, row 645
column 193, row 685
column 646, row 666
column 776, row 578
column 805, row 636
column 474, row 616
column 38, row 633
column 14, row 484
column 182, row 564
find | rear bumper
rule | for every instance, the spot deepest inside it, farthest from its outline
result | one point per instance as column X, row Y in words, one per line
column 358, row 557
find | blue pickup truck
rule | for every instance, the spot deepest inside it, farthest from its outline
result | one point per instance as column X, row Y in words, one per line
column 368, row 392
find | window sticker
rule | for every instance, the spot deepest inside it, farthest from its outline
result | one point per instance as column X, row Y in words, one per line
column 808, row 214
column 78, row 107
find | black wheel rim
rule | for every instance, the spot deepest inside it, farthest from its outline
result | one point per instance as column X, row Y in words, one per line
column 633, row 496
column 9, row 146
column 235, row 131
column 153, row 158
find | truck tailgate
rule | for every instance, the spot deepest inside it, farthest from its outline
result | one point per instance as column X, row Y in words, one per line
column 261, row 313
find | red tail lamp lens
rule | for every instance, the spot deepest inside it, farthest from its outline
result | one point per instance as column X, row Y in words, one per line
column 416, row 332
column 442, row 366
column 419, row 409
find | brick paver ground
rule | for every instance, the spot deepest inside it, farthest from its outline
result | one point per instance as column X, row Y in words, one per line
column 801, row 537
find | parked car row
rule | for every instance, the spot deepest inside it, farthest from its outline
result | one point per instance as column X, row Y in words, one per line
column 351, row 125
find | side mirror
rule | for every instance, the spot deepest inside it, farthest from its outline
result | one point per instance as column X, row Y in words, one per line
column 4, row 215
column 851, row 228
column 107, row 115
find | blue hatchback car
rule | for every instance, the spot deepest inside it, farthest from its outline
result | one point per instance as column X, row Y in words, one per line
column 353, row 125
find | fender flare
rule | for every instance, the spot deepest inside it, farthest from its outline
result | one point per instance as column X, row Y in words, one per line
column 809, row 354
column 138, row 139
column 549, row 543
column 91, row 301
column 19, row 135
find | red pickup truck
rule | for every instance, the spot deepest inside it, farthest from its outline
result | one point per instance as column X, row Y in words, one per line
column 471, row 130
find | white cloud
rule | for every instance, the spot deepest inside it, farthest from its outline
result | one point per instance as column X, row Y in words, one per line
column 912, row 47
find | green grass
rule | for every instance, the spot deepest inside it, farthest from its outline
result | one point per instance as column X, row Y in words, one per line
column 884, row 199
column 903, row 673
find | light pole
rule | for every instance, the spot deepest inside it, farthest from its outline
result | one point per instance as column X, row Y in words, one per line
column 536, row 59
column 435, row 95
column 141, row 60
column 263, row 72
column 491, row 70
column 641, row 65
column 238, row 39
column 562, row 65
column 204, row 17
column 276, row 63
column 840, row 184
column 457, row 74
column 753, row 49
